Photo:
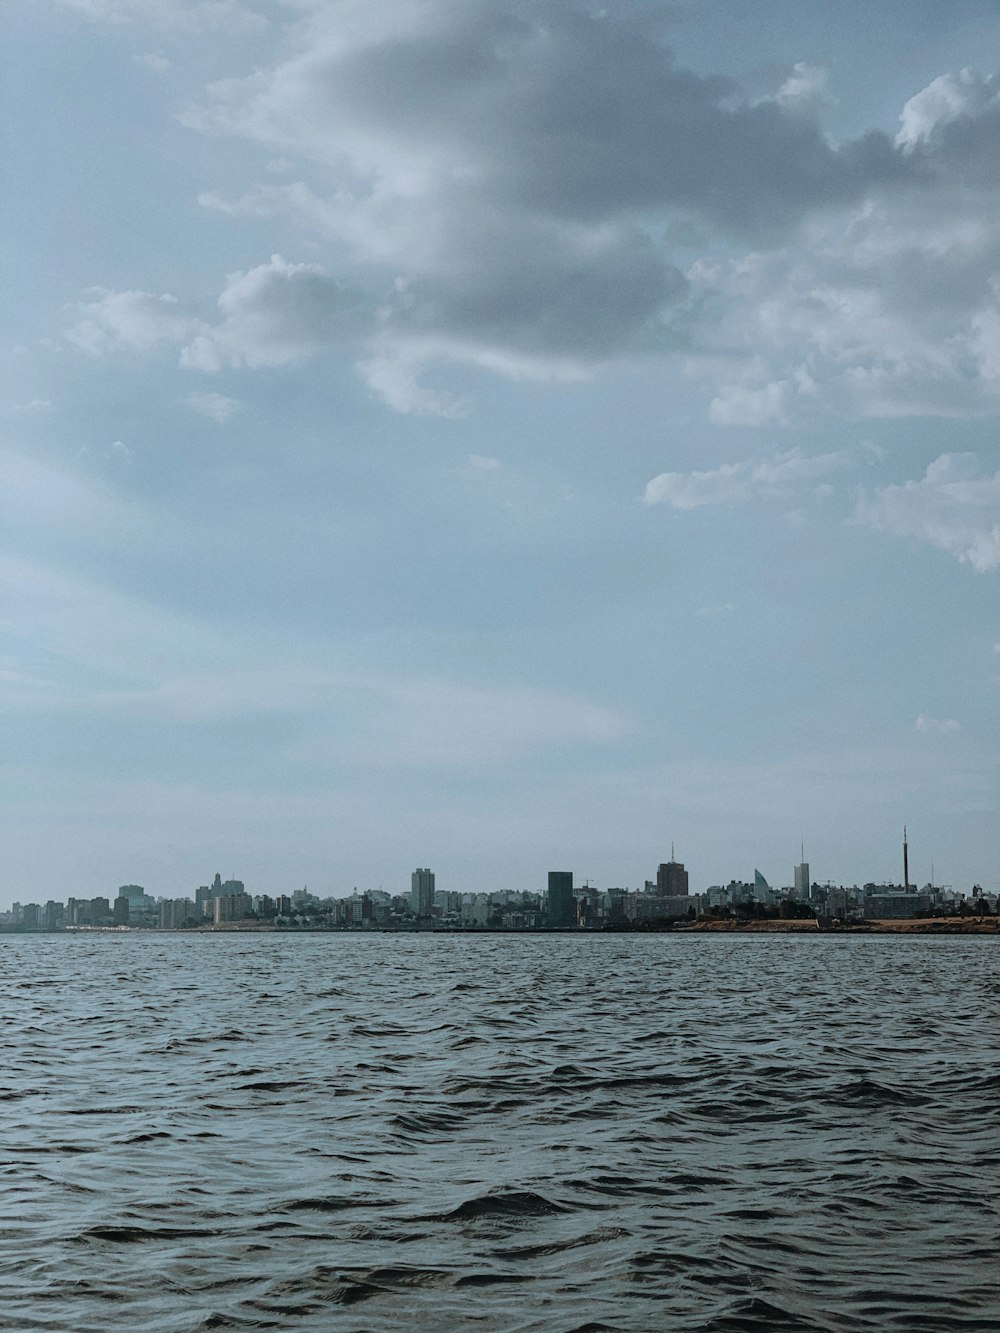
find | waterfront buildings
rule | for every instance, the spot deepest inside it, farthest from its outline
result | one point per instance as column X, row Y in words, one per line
column 225, row 904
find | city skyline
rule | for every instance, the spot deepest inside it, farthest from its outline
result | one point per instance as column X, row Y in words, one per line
column 663, row 903
column 670, row 879
column 506, row 434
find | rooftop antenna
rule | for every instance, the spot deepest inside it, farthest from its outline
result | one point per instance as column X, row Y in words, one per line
column 671, row 850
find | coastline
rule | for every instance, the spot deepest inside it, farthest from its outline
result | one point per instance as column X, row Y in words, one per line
column 906, row 926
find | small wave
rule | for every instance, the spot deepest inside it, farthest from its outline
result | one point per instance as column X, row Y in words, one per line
column 502, row 1203
column 870, row 1093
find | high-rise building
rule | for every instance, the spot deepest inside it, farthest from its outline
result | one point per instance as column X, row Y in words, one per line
column 562, row 904
column 802, row 881
column 671, row 878
column 422, row 893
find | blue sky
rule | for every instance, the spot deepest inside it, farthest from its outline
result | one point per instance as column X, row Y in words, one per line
column 498, row 436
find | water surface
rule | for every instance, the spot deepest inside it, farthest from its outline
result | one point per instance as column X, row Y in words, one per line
column 357, row 1132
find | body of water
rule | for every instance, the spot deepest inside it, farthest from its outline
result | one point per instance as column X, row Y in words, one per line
column 366, row 1132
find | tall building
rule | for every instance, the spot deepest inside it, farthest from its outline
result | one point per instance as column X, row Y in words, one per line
column 671, row 878
column 422, row 893
column 562, row 904
column 802, row 889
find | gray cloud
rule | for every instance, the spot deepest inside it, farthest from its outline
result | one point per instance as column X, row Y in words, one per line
column 505, row 180
column 514, row 166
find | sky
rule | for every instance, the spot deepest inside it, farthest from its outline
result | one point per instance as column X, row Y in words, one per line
column 498, row 437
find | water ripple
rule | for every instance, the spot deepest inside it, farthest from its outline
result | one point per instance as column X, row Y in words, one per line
column 525, row 1135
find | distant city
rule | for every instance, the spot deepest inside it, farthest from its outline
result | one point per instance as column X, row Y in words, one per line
column 661, row 903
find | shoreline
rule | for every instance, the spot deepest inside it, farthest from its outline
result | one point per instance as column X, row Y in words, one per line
column 905, row 926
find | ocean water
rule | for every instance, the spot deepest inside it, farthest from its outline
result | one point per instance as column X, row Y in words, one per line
column 371, row 1132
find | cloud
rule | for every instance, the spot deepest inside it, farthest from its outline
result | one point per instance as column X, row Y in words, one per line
column 214, row 405
column 953, row 508
column 480, row 463
column 272, row 315
column 888, row 306
column 133, row 320
column 182, row 15
column 941, row 725
column 506, row 184
column 738, row 483
column 512, row 170
column 739, row 405
column 946, row 100
column 805, row 89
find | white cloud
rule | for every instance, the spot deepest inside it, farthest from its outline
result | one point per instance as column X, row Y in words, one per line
column 941, row 725
column 889, row 310
column 737, row 483
column 943, row 101
column 738, row 405
column 131, row 319
column 393, row 375
column 154, row 61
column 482, row 463
column 953, row 507
column 217, row 406
column 805, row 89
column 272, row 315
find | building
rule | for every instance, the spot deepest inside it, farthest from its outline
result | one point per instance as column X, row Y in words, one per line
column 231, row 907
column 894, row 906
column 175, row 913
column 671, row 878
column 422, row 893
column 562, row 903
column 54, row 915
column 802, row 881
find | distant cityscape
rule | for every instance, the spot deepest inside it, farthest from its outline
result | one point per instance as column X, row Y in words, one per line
column 661, row 903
